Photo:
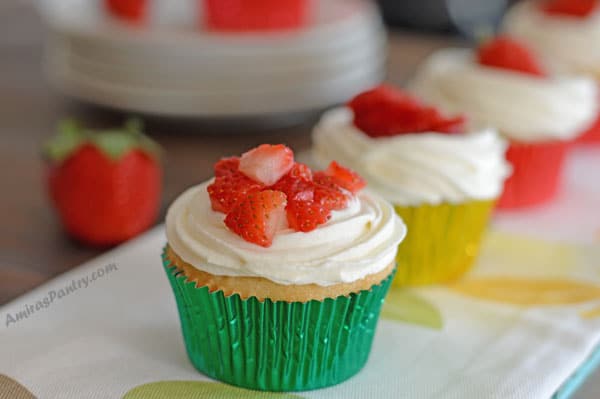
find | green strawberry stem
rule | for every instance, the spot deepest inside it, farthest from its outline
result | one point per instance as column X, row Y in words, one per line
column 115, row 143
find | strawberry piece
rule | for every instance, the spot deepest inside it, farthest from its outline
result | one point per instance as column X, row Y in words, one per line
column 129, row 10
column 386, row 111
column 257, row 218
column 345, row 178
column 507, row 53
column 306, row 216
column 267, row 163
column 300, row 171
column 228, row 190
column 328, row 192
column 571, row 8
column 227, row 166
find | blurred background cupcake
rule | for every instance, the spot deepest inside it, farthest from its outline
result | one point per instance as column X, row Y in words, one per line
column 442, row 177
column 566, row 34
column 503, row 84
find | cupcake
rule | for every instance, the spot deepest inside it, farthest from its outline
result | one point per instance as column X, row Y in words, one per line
column 503, row 85
column 442, row 178
column 279, row 273
column 565, row 33
column 255, row 15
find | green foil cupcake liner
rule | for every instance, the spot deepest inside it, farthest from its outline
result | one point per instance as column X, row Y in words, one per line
column 276, row 346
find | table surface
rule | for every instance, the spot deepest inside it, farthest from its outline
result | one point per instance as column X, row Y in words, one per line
column 33, row 247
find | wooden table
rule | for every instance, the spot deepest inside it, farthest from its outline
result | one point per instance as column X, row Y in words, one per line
column 33, row 246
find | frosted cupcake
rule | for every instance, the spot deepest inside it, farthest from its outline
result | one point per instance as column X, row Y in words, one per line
column 566, row 34
column 442, row 178
column 279, row 274
column 503, row 85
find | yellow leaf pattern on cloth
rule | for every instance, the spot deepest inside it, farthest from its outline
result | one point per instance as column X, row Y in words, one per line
column 10, row 388
column 517, row 255
column 405, row 306
column 528, row 292
column 199, row 390
column 593, row 313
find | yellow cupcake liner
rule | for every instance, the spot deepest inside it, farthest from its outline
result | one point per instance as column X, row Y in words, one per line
column 442, row 241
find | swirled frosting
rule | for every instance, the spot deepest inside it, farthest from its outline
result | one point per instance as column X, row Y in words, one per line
column 568, row 44
column 411, row 169
column 356, row 242
column 522, row 107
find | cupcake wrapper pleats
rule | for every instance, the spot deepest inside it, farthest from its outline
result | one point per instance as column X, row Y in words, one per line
column 442, row 241
column 276, row 346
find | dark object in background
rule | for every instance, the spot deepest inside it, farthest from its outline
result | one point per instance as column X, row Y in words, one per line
column 469, row 17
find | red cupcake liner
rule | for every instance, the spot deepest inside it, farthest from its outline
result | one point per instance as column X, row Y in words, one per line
column 591, row 135
column 255, row 15
column 129, row 10
column 537, row 169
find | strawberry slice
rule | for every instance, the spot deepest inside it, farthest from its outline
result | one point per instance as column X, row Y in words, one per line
column 300, row 171
column 386, row 111
column 228, row 190
column 345, row 178
column 267, row 163
column 328, row 192
column 507, row 53
column 570, row 8
column 306, row 216
column 257, row 218
column 227, row 166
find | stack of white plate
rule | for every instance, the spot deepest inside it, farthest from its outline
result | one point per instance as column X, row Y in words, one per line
column 171, row 66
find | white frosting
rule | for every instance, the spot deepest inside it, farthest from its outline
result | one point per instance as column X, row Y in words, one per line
column 410, row 169
column 356, row 242
column 522, row 107
column 568, row 44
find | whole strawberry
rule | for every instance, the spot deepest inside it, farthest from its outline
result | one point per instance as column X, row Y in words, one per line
column 105, row 185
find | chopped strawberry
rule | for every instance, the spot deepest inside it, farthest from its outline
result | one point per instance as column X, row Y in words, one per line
column 507, row 53
column 306, row 216
column 257, row 218
column 345, row 178
column 227, row 166
column 571, row 8
column 295, row 188
column 228, row 190
column 386, row 111
column 267, row 163
column 300, row 171
column 328, row 192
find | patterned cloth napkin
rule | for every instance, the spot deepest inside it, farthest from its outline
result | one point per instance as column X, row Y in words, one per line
column 518, row 326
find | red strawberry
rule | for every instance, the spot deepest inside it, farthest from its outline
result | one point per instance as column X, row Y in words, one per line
column 130, row 10
column 300, row 171
column 572, row 8
column 227, row 191
column 507, row 53
column 345, row 178
column 306, row 216
column 328, row 192
column 257, row 218
column 267, row 163
column 105, row 185
column 295, row 188
column 386, row 111
column 227, row 166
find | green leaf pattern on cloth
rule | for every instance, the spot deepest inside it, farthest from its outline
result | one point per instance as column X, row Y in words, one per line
column 406, row 306
column 199, row 390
